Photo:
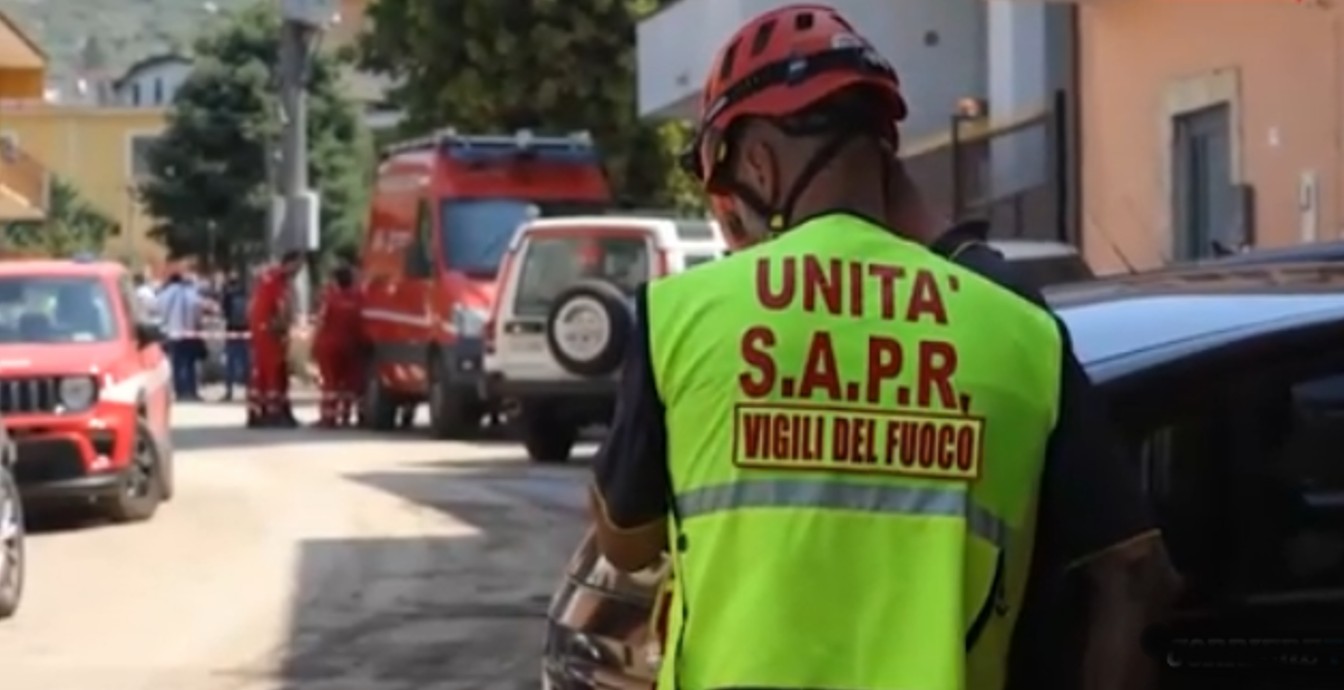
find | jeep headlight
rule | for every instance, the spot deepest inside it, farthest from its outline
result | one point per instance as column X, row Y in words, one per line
column 77, row 393
column 469, row 323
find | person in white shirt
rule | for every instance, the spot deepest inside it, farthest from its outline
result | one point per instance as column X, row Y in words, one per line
column 146, row 297
column 179, row 305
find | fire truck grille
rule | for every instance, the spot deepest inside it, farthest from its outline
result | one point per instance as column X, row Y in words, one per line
column 29, row 395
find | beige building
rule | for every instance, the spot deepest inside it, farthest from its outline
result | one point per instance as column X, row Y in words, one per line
column 1206, row 121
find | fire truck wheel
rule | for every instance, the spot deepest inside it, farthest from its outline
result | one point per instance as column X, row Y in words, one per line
column 587, row 328
column 376, row 408
column 453, row 412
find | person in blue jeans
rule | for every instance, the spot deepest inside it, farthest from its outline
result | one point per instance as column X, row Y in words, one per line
column 179, row 305
column 237, row 355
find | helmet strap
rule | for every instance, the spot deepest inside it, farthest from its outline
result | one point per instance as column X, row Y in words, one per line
column 779, row 216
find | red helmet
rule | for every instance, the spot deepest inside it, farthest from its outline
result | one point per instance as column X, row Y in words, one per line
column 779, row 64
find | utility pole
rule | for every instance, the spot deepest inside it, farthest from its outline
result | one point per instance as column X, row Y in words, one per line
column 295, row 210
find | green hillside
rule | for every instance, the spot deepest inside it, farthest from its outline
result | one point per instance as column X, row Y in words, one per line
column 110, row 34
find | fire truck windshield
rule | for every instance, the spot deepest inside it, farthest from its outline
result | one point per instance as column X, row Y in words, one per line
column 475, row 233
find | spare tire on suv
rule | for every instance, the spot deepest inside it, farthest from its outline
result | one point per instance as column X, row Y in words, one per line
column 588, row 328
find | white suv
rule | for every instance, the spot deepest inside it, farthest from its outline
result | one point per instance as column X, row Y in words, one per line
column 563, row 314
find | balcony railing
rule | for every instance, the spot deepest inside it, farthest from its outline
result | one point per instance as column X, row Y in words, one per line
column 23, row 176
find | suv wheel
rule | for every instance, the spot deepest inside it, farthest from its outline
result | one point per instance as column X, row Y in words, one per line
column 453, row 413
column 141, row 489
column 11, row 544
column 587, row 327
column 376, row 409
column 547, row 436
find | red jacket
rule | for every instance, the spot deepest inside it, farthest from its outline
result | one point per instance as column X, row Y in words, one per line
column 338, row 320
column 268, row 312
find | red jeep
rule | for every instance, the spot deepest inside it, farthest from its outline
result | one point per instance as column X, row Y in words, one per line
column 83, row 387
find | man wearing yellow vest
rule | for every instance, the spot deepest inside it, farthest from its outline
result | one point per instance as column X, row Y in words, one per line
column 846, row 440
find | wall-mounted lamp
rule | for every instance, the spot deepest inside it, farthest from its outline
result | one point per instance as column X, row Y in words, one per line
column 971, row 108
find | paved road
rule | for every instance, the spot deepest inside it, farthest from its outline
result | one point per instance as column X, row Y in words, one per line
column 305, row 560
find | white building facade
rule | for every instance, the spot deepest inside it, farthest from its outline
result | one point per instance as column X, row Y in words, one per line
column 152, row 82
column 1014, row 56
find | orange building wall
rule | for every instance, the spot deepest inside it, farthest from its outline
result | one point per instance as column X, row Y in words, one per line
column 1139, row 56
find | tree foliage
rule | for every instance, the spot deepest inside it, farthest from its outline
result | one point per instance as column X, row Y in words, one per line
column 211, row 170
column 72, row 225
column 551, row 65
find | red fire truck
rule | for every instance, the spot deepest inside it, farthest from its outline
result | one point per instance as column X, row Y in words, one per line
column 444, row 209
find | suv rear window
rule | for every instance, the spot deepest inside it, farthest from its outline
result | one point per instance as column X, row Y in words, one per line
column 551, row 264
column 695, row 230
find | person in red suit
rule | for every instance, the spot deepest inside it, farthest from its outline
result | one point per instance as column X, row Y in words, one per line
column 338, row 349
column 268, row 319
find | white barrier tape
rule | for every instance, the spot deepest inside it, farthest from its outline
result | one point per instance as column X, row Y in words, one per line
column 233, row 335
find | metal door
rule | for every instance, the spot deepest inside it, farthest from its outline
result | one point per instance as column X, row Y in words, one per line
column 1204, row 201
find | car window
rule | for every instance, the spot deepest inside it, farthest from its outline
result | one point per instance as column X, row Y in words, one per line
column 1054, row 270
column 695, row 230
column 44, row 310
column 551, row 264
column 418, row 257
column 1249, row 484
column 693, row 260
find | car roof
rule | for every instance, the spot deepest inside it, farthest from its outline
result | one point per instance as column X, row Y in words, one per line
column 1023, row 250
column 59, row 268
column 670, row 232
column 1120, row 325
column 1314, row 252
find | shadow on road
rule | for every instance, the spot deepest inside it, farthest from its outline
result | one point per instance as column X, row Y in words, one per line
column 458, row 611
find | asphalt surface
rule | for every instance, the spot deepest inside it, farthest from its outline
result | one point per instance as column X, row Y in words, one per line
column 305, row 560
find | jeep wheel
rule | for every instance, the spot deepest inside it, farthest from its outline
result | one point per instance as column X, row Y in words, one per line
column 453, row 413
column 141, row 488
column 547, row 437
column 11, row 545
column 587, row 326
column 376, row 409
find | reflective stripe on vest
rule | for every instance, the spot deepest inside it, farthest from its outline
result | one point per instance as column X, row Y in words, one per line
column 859, row 523
column 927, row 501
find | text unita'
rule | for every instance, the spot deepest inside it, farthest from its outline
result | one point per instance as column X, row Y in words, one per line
column 916, row 374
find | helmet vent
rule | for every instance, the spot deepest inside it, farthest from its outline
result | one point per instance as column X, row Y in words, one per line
column 729, row 57
column 762, row 38
column 804, row 21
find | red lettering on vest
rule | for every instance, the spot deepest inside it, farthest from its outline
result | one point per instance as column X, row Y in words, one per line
column 770, row 299
column 756, row 344
column 781, row 437
column 885, row 360
column 824, row 284
column 926, row 300
column 886, row 286
column 820, row 370
column 937, row 364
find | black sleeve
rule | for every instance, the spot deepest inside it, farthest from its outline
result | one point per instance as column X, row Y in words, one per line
column 630, row 469
column 1090, row 493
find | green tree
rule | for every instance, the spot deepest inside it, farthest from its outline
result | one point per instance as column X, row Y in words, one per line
column 71, row 225
column 555, row 65
column 211, row 171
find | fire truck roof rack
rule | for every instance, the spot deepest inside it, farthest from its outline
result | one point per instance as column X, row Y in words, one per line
column 521, row 140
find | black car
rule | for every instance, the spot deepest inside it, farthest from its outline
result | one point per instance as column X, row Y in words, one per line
column 1226, row 388
column 11, row 531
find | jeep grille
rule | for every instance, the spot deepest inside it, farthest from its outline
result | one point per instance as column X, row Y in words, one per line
column 29, row 395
